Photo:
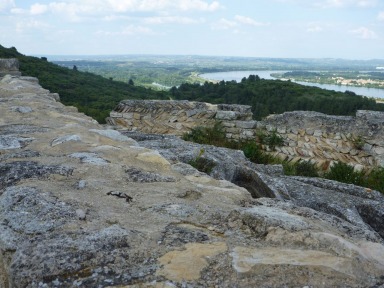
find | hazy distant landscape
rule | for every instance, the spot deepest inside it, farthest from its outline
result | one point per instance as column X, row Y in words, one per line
column 163, row 72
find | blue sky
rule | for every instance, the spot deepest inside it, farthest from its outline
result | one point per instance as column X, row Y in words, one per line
column 352, row 29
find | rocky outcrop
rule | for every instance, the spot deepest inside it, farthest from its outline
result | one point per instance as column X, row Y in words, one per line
column 322, row 139
column 82, row 205
column 345, row 201
column 9, row 67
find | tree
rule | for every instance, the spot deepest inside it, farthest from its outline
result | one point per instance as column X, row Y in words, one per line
column 74, row 68
column 130, row 82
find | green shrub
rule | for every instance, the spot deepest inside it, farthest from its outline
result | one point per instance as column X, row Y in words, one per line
column 255, row 153
column 375, row 179
column 357, row 142
column 202, row 164
column 197, row 135
column 207, row 135
column 261, row 136
column 345, row 173
column 289, row 168
column 306, row 169
column 274, row 139
column 301, row 168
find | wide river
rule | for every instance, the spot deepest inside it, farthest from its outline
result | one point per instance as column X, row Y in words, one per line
column 238, row 75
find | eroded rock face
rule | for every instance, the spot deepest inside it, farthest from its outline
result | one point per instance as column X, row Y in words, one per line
column 9, row 66
column 84, row 206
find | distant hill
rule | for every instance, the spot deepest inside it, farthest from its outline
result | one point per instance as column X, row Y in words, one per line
column 94, row 95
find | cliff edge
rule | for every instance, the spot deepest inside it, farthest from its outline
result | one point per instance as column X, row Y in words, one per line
column 86, row 206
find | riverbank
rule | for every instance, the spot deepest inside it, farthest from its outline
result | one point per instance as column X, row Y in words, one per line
column 238, row 75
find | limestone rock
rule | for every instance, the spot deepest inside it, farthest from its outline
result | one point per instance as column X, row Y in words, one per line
column 67, row 138
column 99, row 210
column 22, row 109
column 9, row 66
column 115, row 135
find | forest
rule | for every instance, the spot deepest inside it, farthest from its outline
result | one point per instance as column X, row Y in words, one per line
column 92, row 94
column 96, row 96
column 275, row 96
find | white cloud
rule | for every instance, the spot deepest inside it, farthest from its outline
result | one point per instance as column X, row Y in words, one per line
column 224, row 24
column 380, row 17
column 128, row 30
column 6, row 4
column 172, row 19
column 248, row 21
column 198, row 5
column 345, row 3
column 367, row 3
column 17, row 11
column 314, row 28
column 76, row 10
column 30, row 24
column 38, row 9
column 364, row 33
column 159, row 5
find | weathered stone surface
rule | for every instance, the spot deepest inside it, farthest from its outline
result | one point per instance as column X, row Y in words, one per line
column 13, row 172
column 67, row 138
column 27, row 211
column 136, row 175
column 13, row 142
column 143, row 218
column 90, row 158
column 341, row 200
column 114, row 135
column 21, row 109
column 177, row 264
column 9, row 66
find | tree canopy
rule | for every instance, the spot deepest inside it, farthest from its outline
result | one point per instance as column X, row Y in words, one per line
column 275, row 96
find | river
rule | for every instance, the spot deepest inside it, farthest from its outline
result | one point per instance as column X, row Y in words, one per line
column 238, row 75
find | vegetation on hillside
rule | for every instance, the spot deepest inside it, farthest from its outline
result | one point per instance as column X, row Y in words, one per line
column 274, row 96
column 94, row 95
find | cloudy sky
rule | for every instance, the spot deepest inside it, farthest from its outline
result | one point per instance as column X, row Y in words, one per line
column 352, row 29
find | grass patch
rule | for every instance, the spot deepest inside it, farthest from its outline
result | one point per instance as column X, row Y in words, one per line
column 202, row 164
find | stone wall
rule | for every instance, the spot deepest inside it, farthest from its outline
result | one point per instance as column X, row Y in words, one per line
column 173, row 117
column 313, row 136
column 325, row 138
column 9, row 66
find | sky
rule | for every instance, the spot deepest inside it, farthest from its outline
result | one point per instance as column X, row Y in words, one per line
column 350, row 29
